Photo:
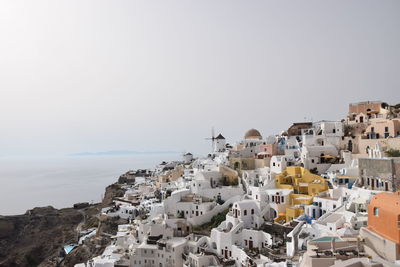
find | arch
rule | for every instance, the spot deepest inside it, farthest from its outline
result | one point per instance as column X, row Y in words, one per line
column 273, row 213
column 229, row 226
column 350, row 146
column 236, row 165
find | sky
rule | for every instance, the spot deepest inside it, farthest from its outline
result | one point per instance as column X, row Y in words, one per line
column 78, row 76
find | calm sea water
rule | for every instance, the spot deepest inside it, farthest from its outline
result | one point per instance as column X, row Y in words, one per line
column 62, row 181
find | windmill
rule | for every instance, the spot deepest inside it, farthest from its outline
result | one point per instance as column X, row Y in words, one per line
column 212, row 138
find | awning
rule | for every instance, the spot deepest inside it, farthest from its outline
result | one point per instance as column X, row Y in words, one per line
column 328, row 157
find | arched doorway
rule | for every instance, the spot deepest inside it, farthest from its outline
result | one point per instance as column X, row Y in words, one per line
column 350, row 146
column 236, row 166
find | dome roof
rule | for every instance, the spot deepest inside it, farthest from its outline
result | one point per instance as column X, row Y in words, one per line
column 252, row 134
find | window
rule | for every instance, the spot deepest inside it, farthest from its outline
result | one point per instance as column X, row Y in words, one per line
column 386, row 129
column 245, row 212
column 376, row 211
column 252, row 211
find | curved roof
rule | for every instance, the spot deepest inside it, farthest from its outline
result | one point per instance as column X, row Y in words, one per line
column 252, row 134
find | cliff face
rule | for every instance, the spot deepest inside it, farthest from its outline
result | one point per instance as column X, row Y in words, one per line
column 27, row 240
column 106, row 226
column 112, row 191
column 38, row 236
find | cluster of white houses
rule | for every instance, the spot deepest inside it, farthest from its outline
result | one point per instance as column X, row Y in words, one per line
column 300, row 198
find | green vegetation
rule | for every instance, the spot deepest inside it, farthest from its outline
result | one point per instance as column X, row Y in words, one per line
column 215, row 221
column 31, row 261
column 348, row 130
column 396, row 106
column 393, row 153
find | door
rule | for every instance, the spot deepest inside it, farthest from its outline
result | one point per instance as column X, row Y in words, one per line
column 250, row 244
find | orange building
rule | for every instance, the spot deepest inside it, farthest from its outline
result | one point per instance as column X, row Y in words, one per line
column 384, row 215
column 383, row 232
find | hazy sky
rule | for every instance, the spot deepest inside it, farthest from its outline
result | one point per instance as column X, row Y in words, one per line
column 157, row 75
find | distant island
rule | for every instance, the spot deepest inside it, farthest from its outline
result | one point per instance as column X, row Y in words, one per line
column 121, row 152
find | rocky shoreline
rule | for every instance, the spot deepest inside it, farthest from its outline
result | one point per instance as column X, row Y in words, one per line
column 37, row 238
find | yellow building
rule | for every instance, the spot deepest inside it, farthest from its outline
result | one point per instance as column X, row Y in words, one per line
column 301, row 181
column 293, row 212
column 305, row 186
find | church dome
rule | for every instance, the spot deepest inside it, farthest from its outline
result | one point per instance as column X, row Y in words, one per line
column 252, row 134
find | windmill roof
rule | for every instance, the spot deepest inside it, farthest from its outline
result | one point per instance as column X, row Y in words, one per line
column 220, row 137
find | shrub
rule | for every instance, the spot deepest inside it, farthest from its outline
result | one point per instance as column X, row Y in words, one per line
column 393, row 153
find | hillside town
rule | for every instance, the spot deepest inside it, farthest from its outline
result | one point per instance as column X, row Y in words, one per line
column 323, row 193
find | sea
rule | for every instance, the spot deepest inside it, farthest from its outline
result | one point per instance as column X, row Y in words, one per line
column 61, row 181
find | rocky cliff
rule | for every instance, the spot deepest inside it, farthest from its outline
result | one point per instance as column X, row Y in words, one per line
column 37, row 237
